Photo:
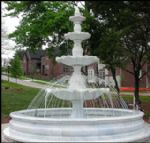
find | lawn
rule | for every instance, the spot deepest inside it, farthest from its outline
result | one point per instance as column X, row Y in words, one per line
column 17, row 97
column 129, row 99
column 145, row 103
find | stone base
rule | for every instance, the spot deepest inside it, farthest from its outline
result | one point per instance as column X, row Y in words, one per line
column 125, row 126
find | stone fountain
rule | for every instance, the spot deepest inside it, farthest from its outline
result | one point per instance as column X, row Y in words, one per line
column 78, row 123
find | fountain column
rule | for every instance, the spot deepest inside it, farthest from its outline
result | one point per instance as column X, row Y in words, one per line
column 77, row 91
column 77, row 81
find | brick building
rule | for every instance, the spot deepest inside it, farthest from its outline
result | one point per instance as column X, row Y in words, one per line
column 40, row 64
column 124, row 78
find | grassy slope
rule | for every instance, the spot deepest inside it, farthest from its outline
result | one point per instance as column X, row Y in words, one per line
column 16, row 97
column 144, row 99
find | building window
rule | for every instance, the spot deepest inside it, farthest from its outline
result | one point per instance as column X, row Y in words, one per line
column 140, row 73
column 38, row 67
column 67, row 69
column 102, row 74
column 90, row 74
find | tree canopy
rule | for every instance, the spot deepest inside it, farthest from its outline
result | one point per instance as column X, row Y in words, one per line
column 132, row 19
column 16, row 67
column 43, row 22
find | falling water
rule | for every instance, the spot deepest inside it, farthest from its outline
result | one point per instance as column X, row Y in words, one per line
column 46, row 100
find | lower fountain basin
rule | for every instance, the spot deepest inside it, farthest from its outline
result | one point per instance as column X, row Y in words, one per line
column 100, row 125
column 80, row 94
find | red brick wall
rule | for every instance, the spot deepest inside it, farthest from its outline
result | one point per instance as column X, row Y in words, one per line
column 58, row 70
column 55, row 69
column 128, row 79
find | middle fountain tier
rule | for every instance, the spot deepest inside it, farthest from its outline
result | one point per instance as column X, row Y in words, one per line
column 77, row 92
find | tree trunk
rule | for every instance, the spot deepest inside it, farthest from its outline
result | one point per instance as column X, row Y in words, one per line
column 136, row 92
column 52, row 69
column 116, row 84
column 113, row 71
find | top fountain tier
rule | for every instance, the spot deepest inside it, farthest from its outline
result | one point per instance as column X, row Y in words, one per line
column 80, row 36
column 77, row 18
column 77, row 34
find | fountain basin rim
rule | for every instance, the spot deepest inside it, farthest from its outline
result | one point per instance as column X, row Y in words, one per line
column 78, row 18
column 77, row 94
column 77, row 60
column 78, row 90
column 137, row 114
column 77, row 35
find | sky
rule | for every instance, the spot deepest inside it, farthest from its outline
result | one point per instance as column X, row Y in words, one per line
column 9, row 25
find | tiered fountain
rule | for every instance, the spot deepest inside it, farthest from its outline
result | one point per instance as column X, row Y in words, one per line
column 76, row 123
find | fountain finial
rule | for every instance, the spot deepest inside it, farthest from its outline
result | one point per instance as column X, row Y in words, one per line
column 77, row 12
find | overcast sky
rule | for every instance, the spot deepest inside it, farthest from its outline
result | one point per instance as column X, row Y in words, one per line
column 9, row 24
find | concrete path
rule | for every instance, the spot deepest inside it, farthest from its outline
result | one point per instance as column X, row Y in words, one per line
column 42, row 86
column 25, row 82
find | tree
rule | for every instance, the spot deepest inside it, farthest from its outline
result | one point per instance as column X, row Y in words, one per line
column 134, row 20
column 43, row 22
column 105, row 42
column 15, row 68
column 111, row 52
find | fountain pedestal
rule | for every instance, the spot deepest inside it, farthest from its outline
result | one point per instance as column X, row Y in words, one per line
column 77, row 109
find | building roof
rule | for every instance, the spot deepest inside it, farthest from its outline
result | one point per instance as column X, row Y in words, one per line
column 35, row 54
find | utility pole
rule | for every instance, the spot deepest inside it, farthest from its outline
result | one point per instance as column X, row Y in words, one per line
column 146, row 75
column 8, row 68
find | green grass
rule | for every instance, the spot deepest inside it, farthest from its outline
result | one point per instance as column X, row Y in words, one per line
column 41, row 82
column 16, row 97
column 129, row 98
column 22, row 77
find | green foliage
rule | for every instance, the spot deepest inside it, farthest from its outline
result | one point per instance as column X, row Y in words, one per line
column 132, row 20
column 40, row 21
column 4, row 69
column 110, row 49
column 15, row 68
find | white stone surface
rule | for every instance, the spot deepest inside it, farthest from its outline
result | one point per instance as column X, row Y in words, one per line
column 77, row 35
column 77, row 97
column 77, row 60
column 76, row 94
column 118, row 125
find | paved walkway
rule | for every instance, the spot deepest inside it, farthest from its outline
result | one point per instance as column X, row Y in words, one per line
column 25, row 82
column 42, row 86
